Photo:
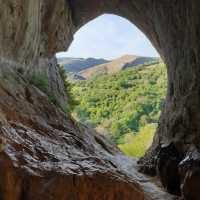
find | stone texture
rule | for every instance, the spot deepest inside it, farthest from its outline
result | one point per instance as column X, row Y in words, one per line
column 48, row 68
column 189, row 170
column 167, row 168
column 44, row 154
column 35, row 29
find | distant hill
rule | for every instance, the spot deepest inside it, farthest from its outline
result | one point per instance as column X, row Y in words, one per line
column 124, row 62
column 76, row 65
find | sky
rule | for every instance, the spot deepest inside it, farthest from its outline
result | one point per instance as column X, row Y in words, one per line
column 109, row 36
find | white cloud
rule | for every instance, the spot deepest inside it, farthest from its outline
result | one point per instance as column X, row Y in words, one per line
column 109, row 36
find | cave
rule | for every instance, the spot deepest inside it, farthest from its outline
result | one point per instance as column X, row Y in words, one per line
column 45, row 154
column 110, row 46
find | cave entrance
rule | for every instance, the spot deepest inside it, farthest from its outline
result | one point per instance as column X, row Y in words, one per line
column 119, row 81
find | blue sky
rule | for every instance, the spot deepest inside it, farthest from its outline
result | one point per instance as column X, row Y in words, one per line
column 109, row 36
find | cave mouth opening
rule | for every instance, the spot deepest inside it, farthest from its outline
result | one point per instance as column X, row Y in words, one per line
column 119, row 86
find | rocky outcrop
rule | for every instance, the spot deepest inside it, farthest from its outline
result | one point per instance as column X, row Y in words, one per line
column 190, row 174
column 31, row 29
column 44, row 154
column 34, row 29
column 48, row 69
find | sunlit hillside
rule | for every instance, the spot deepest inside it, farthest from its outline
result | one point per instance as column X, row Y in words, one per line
column 125, row 106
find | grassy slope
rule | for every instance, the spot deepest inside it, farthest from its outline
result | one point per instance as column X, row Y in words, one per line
column 115, row 65
column 126, row 104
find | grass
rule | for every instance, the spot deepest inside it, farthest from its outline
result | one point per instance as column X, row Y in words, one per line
column 136, row 145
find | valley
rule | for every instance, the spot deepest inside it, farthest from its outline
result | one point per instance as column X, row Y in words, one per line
column 123, row 104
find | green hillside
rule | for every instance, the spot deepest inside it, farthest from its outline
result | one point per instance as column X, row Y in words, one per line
column 116, row 65
column 126, row 105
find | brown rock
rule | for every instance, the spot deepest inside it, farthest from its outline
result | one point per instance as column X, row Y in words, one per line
column 31, row 29
column 47, row 155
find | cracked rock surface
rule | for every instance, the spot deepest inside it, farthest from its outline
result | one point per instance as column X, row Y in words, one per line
column 44, row 154
column 39, row 139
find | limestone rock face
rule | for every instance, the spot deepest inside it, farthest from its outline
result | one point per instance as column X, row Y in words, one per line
column 31, row 33
column 34, row 30
column 48, row 69
column 44, row 154
column 190, row 174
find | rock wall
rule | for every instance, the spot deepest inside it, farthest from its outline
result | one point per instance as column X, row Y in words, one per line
column 48, row 69
column 45, row 154
column 35, row 29
column 32, row 32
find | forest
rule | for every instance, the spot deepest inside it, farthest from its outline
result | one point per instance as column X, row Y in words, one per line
column 124, row 106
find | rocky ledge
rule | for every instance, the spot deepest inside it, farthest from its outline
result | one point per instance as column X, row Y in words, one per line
column 45, row 154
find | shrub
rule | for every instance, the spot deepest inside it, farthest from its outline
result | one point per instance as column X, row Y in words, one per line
column 68, row 89
column 41, row 82
column 136, row 145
